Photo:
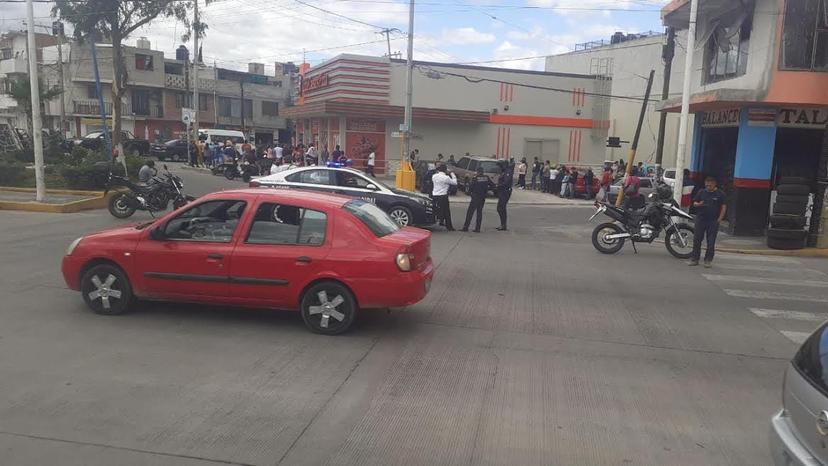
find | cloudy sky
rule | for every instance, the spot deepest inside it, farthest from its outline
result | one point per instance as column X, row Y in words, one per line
column 460, row 31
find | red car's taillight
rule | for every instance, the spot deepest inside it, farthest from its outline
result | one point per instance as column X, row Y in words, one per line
column 405, row 261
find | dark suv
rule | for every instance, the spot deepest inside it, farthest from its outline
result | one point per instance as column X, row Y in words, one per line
column 466, row 168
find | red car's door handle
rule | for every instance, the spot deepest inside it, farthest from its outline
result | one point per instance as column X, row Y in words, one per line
column 215, row 256
column 303, row 260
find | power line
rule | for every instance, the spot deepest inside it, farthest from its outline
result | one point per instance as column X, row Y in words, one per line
column 337, row 14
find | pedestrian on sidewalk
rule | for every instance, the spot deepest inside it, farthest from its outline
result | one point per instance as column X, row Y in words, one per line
column 554, row 180
column 440, row 193
column 545, row 177
column 504, row 193
column 537, row 167
column 588, row 177
column 479, row 187
column 710, row 211
column 573, row 180
column 521, row 169
column 372, row 160
column 606, row 182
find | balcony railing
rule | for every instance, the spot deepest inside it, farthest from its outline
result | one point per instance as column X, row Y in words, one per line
column 90, row 107
column 151, row 110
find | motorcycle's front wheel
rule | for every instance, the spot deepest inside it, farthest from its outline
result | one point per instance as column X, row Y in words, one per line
column 603, row 244
column 679, row 241
column 230, row 173
column 181, row 201
column 120, row 206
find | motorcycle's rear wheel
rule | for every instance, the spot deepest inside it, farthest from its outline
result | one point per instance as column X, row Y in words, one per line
column 230, row 173
column 680, row 245
column 120, row 206
column 604, row 245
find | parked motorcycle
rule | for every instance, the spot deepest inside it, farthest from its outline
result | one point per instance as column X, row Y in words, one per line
column 245, row 170
column 645, row 225
column 153, row 197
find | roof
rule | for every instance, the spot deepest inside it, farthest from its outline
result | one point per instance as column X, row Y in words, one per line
column 307, row 197
column 495, row 69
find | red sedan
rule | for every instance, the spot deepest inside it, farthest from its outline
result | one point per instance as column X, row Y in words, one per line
column 325, row 255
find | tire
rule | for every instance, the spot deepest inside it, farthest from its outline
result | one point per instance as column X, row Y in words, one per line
column 793, row 189
column 687, row 234
column 790, row 208
column 230, row 173
column 246, row 177
column 794, row 180
column 106, row 290
column 785, row 244
column 337, row 317
column 401, row 215
column 786, row 234
column 793, row 222
column 604, row 246
column 793, row 198
column 119, row 206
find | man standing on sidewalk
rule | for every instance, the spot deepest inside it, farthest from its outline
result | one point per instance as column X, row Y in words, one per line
column 372, row 160
column 440, row 193
column 536, row 169
column 710, row 211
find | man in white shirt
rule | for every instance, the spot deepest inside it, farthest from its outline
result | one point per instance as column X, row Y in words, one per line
column 440, row 193
column 278, row 152
column 372, row 160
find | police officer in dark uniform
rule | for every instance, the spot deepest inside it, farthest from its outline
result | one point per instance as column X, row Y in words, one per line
column 479, row 187
column 504, row 192
column 711, row 207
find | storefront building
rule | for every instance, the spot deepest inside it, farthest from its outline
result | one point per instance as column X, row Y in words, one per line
column 760, row 96
column 357, row 102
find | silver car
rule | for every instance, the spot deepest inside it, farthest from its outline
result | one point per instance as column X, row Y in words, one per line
column 647, row 186
column 799, row 431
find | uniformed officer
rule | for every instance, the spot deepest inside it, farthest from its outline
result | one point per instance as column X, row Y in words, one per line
column 711, row 207
column 479, row 187
column 504, row 192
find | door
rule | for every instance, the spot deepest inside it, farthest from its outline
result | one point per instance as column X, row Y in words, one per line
column 284, row 248
column 190, row 260
column 543, row 149
column 355, row 185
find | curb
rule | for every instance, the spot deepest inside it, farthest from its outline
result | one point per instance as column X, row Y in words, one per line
column 97, row 200
column 807, row 252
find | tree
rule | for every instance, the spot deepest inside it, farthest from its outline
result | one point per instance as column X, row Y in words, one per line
column 21, row 92
column 115, row 20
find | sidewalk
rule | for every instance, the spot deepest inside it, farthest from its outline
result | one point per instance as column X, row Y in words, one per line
column 759, row 245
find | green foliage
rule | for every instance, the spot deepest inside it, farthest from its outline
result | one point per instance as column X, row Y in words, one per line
column 21, row 92
column 85, row 176
column 15, row 174
column 134, row 163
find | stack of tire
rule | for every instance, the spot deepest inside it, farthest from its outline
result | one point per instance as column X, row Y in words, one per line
column 787, row 221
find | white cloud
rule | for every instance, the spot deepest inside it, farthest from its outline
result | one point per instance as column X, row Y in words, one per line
column 467, row 36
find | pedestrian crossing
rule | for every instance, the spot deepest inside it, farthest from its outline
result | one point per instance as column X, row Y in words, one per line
column 782, row 291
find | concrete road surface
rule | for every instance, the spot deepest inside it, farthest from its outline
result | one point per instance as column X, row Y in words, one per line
column 531, row 349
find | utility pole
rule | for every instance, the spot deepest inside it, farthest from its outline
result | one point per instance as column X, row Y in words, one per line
column 387, row 33
column 34, row 84
column 685, row 101
column 241, row 86
column 215, row 95
column 99, row 91
column 196, row 27
column 409, row 87
column 634, row 147
column 668, row 54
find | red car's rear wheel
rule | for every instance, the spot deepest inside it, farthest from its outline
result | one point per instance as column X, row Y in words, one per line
column 328, row 308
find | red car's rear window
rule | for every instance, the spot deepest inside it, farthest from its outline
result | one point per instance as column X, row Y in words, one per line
column 372, row 217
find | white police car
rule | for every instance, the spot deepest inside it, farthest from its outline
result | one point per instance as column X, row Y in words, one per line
column 405, row 207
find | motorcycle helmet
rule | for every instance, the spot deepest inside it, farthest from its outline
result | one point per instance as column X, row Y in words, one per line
column 665, row 193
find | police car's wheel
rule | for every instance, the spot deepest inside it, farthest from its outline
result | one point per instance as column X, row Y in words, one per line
column 401, row 215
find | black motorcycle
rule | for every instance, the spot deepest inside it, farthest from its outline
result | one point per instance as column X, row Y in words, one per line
column 153, row 197
column 244, row 169
column 645, row 225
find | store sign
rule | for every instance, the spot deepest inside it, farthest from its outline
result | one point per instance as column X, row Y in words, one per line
column 366, row 126
column 721, row 118
column 314, row 83
column 814, row 118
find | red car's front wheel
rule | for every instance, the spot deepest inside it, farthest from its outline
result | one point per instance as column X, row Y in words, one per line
column 106, row 290
column 328, row 308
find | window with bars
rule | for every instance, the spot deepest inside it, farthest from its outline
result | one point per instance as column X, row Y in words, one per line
column 270, row 108
column 805, row 36
column 143, row 62
column 183, row 100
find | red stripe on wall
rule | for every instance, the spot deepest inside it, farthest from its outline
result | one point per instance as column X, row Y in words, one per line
column 511, row 92
column 580, row 135
column 569, row 155
column 508, row 141
column 497, row 147
column 751, row 183
column 574, row 91
column 501, row 92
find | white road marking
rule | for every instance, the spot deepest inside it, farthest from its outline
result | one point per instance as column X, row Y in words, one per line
column 764, row 280
column 793, row 315
column 765, row 268
column 773, row 295
column 796, row 337
column 757, row 258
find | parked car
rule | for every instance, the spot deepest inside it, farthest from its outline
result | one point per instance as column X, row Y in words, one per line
column 647, row 186
column 800, row 429
column 95, row 141
column 174, row 149
column 466, row 169
column 405, row 207
column 669, row 177
column 326, row 256
column 580, row 186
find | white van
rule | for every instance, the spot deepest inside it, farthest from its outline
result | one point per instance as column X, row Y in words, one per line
column 219, row 136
